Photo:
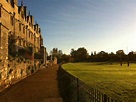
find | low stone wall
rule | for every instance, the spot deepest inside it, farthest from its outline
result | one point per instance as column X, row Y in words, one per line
column 16, row 70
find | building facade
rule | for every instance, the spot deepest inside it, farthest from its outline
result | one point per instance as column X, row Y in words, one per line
column 20, row 35
column 17, row 25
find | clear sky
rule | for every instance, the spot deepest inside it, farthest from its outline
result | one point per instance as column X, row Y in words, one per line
column 97, row 25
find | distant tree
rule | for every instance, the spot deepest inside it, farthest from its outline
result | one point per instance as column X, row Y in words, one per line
column 60, row 52
column 65, row 58
column 82, row 54
column 120, row 54
column 74, row 55
column 91, row 57
column 112, row 57
column 132, row 56
column 79, row 55
column 56, row 53
column 103, row 56
column 94, row 57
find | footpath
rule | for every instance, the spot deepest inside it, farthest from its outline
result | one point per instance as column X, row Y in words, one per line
column 42, row 86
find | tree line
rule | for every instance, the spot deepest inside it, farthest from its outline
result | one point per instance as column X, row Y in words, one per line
column 81, row 55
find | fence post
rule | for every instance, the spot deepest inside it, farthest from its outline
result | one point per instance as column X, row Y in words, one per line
column 105, row 98
column 95, row 95
column 77, row 90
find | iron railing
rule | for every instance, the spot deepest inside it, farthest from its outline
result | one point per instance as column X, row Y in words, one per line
column 75, row 90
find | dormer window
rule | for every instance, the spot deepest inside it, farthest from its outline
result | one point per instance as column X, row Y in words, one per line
column 12, row 3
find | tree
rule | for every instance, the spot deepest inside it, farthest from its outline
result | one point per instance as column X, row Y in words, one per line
column 112, row 57
column 103, row 56
column 56, row 53
column 94, row 57
column 132, row 56
column 73, row 55
column 79, row 55
column 65, row 58
column 120, row 54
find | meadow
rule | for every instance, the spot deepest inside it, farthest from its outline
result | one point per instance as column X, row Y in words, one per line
column 112, row 79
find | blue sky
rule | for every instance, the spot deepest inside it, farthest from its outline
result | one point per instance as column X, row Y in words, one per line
column 97, row 25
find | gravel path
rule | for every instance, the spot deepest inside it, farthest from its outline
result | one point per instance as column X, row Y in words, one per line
column 39, row 87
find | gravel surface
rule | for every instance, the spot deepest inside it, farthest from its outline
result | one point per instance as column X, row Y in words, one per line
column 39, row 87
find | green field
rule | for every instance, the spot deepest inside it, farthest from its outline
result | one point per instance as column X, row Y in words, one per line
column 114, row 80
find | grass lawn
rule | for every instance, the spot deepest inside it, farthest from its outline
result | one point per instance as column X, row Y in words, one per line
column 114, row 80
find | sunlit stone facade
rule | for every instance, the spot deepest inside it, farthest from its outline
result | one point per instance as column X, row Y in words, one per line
column 17, row 23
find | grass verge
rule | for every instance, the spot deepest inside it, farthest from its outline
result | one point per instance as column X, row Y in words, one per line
column 118, row 82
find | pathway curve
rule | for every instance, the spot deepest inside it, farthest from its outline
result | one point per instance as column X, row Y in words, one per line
column 39, row 87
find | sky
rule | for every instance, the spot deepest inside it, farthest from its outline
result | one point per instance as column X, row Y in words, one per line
column 97, row 25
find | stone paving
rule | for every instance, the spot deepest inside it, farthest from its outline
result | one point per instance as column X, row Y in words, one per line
column 42, row 86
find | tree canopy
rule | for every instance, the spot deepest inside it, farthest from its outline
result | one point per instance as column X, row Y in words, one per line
column 79, row 55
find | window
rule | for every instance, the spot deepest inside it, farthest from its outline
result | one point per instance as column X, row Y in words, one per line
column 11, row 20
column 12, row 3
column 32, row 36
column 24, row 43
column 20, row 26
column 24, row 29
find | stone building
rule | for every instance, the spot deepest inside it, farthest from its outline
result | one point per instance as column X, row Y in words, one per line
column 18, row 33
column 18, row 26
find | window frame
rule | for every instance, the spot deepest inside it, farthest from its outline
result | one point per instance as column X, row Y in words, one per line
column 19, row 26
column 11, row 20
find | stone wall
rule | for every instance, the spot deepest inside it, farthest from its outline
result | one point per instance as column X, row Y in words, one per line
column 17, row 70
column 3, row 53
